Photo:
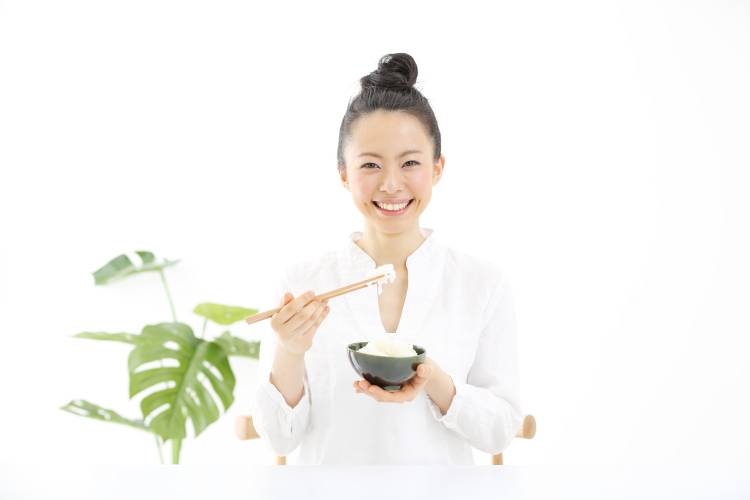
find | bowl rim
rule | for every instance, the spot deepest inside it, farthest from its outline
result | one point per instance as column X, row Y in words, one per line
column 416, row 347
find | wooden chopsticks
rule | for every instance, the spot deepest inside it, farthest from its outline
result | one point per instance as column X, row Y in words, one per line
column 333, row 293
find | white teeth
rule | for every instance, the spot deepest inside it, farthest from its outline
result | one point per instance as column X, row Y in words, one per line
column 390, row 207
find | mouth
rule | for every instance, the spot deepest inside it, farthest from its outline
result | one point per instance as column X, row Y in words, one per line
column 393, row 209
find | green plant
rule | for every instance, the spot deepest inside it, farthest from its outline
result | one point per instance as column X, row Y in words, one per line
column 180, row 376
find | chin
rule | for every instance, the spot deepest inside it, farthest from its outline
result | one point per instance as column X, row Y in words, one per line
column 394, row 227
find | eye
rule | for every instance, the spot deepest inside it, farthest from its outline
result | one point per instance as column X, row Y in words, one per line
column 412, row 161
column 365, row 165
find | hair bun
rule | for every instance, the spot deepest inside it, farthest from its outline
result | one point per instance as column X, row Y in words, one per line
column 395, row 71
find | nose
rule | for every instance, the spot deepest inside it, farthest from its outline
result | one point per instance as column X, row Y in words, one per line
column 391, row 181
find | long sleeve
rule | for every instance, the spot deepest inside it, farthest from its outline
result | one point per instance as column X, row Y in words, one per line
column 486, row 408
column 278, row 424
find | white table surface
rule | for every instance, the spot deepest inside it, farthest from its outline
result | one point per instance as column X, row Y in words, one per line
column 68, row 481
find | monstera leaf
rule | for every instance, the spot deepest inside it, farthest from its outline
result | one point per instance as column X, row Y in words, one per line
column 83, row 408
column 127, row 338
column 179, row 392
column 235, row 346
column 122, row 266
column 221, row 314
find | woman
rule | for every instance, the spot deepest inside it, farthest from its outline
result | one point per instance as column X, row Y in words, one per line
column 456, row 306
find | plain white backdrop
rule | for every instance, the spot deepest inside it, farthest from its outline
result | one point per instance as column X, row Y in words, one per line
column 596, row 151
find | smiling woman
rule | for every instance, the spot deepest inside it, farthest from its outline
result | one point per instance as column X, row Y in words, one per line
column 390, row 180
column 464, row 390
column 389, row 150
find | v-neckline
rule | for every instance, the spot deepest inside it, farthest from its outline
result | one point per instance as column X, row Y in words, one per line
column 401, row 312
column 421, row 289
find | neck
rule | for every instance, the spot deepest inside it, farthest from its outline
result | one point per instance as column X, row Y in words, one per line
column 390, row 248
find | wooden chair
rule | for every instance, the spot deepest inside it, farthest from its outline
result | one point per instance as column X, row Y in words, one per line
column 243, row 427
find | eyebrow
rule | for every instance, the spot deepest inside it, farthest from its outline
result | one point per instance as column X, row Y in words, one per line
column 399, row 156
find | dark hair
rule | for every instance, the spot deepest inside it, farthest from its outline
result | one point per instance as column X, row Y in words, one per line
column 390, row 88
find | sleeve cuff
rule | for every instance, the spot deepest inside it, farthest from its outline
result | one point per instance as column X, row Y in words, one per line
column 450, row 419
column 286, row 413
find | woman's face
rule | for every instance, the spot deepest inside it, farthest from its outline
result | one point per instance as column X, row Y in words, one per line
column 389, row 163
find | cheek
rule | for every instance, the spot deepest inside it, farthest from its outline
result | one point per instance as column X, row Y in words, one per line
column 421, row 184
column 363, row 189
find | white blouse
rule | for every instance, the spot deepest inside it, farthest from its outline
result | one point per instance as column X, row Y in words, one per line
column 458, row 307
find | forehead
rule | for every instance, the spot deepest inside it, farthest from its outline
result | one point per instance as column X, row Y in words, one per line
column 388, row 133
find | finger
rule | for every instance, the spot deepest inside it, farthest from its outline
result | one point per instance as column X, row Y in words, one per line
column 424, row 372
column 305, row 315
column 311, row 326
column 285, row 299
column 380, row 394
column 359, row 386
column 407, row 393
column 323, row 316
column 294, row 306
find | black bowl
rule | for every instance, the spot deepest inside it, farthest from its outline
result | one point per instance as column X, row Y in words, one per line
column 387, row 372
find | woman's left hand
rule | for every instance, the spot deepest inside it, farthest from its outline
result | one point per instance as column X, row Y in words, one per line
column 407, row 392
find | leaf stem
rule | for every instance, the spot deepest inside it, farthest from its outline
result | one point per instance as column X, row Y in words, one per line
column 176, row 446
column 203, row 331
column 169, row 297
column 158, row 446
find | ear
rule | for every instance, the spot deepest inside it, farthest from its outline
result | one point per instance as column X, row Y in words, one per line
column 344, row 178
column 437, row 169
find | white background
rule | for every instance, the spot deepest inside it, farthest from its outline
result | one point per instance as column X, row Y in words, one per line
column 598, row 152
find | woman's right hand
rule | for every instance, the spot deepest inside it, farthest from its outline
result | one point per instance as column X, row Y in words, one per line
column 298, row 321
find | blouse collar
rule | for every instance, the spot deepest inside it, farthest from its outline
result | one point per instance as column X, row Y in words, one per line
column 418, row 256
column 425, row 275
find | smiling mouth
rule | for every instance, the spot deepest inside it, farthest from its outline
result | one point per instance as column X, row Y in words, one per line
column 391, row 210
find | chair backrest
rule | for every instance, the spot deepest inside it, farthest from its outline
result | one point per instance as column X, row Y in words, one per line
column 244, row 428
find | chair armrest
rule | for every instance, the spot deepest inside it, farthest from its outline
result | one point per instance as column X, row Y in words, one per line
column 244, row 428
